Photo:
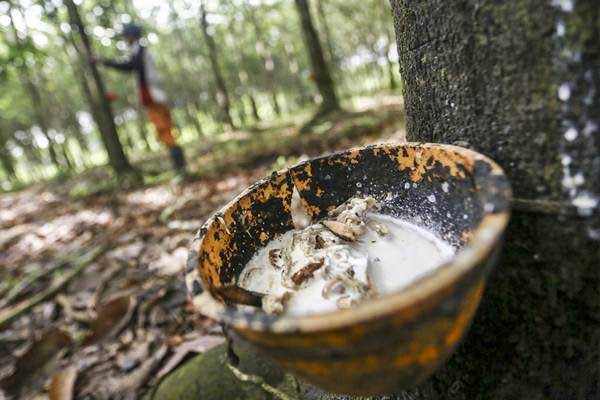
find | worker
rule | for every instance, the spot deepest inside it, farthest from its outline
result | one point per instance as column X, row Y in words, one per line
column 152, row 97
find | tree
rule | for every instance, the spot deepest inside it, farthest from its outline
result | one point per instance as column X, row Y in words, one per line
column 25, row 73
column 519, row 81
column 333, row 60
column 6, row 159
column 320, row 70
column 222, row 93
column 96, row 95
column 264, row 53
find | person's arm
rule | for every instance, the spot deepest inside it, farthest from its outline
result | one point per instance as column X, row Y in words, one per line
column 133, row 64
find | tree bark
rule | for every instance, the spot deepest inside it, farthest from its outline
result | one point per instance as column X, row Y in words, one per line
column 275, row 102
column 254, row 107
column 40, row 115
column 192, row 117
column 263, row 51
column 519, row 81
column 66, row 154
column 222, row 93
column 99, row 104
column 333, row 59
column 320, row 70
column 7, row 160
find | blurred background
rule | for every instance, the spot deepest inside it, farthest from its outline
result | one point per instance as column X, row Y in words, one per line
column 51, row 106
column 97, row 213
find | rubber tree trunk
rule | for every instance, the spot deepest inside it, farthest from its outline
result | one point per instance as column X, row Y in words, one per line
column 301, row 94
column 222, row 93
column 96, row 95
column 191, row 113
column 275, row 102
column 333, row 59
column 320, row 69
column 241, row 113
column 254, row 107
column 40, row 114
column 66, row 154
column 6, row 158
column 519, row 81
column 264, row 53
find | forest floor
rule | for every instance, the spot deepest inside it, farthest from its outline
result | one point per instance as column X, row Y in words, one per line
column 92, row 299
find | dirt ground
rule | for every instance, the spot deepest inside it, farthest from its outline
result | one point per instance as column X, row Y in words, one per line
column 92, row 297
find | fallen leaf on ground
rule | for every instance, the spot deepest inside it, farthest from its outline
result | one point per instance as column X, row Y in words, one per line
column 127, row 385
column 136, row 354
column 62, row 385
column 68, row 308
column 127, row 252
column 113, row 316
column 170, row 263
column 32, row 363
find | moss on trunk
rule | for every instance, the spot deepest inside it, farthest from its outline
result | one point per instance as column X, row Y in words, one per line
column 207, row 377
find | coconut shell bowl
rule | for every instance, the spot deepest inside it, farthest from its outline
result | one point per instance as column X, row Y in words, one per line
column 384, row 344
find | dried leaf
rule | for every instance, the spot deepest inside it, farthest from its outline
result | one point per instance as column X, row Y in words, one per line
column 127, row 252
column 170, row 263
column 236, row 295
column 67, row 305
column 341, row 230
column 127, row 385
column 36, row 358
column 62, row 386
column 137, row 353
column 113, row 316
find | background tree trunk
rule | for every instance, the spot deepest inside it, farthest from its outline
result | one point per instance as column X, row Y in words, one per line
column 254, row 107
column 99, row 104
column 263, row 51
column 222, row 94
column 192, row 118
column 6, row 159
column 40, row 114
column 510, row 79
column 320, row 70
column 333, row 59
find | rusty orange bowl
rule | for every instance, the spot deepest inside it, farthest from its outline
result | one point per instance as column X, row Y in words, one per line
column 385, row 344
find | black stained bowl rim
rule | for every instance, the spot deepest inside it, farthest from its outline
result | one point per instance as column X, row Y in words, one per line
column 486, row 235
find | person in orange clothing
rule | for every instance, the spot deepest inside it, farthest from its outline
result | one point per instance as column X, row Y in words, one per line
column 152, row 97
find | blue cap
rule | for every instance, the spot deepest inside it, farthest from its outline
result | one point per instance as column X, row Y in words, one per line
column 132, row 30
